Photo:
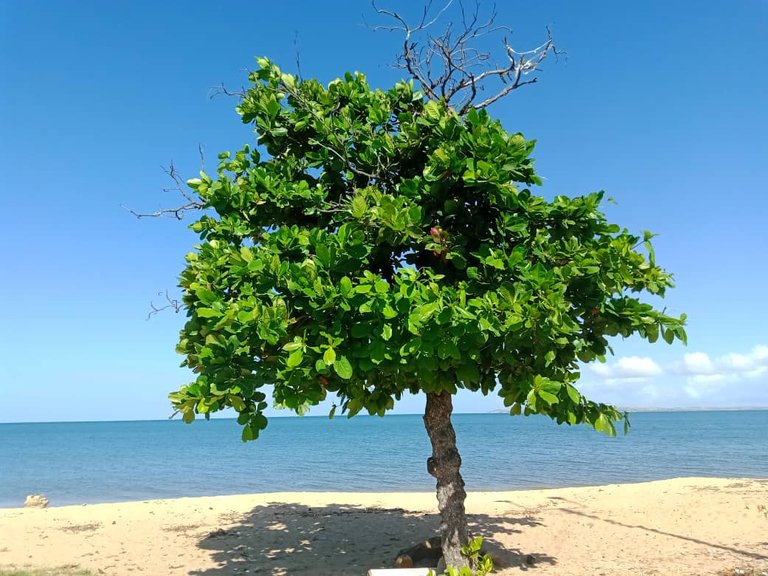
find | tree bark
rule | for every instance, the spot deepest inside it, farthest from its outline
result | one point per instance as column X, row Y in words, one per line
column 444, row 465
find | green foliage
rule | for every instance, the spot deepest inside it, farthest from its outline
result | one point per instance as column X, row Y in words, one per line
column 376, row 243
column 481, row 564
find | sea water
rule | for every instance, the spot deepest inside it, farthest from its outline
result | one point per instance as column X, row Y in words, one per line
column 88, row 462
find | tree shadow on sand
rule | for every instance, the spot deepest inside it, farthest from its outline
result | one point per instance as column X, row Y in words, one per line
column 290, row 539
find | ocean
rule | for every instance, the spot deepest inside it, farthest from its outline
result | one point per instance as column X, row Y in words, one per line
column 90, row 462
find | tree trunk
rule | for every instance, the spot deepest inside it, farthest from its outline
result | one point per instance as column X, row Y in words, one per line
column 444, row 465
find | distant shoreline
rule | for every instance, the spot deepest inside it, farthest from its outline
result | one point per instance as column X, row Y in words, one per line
column 629, row 410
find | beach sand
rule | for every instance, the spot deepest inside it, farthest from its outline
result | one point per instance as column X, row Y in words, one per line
column 687, row 526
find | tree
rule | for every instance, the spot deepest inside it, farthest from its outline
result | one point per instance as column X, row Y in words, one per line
column 377, row 243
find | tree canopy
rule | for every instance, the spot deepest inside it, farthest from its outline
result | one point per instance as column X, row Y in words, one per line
column 376, row 243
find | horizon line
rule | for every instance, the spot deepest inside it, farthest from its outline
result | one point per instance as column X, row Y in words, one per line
column 630, row 410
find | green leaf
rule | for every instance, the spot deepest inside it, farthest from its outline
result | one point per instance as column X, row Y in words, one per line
column 246, row 254
column 388, row 312
column 458, row 260
column 424, row 312
column 207, row 313
column 573, row 394
column 360, row 330
column 237, row 403
column 448, row 349
column 604, row 425
column 345, row 286
column 259, row 421
column 343, row 368
column 432, row 110
column 248, row 433
column 358, row 206
column 329, row 357
column 495, row 262
column 295, row 358
column 468, row 373
column 386, row 332
column 205, row 296
column 548, row 397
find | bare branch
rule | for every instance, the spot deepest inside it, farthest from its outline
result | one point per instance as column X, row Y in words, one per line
column 192, row 202
column 451, row 67
column 221, row 89
column 171, row 303
column 298, row 55
column 177, row 212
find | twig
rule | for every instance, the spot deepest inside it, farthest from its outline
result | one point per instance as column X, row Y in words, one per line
column 193, row 202
column 450, row 68
column 221, row 89
column 172, row 303
column 298, row 55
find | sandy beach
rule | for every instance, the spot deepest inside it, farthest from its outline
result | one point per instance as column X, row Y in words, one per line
column 687, row 526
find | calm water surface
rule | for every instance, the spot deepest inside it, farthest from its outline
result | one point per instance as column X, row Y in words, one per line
column 115, row 461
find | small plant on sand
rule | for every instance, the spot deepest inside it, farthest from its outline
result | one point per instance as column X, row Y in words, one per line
column 481, row 564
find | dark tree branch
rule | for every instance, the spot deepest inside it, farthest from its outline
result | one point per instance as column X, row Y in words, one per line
column 171, row 303
column 298, row 55
column 177, row 212
column 179, row 186
column 201, row 152
column 450, row 67
column 221, row 89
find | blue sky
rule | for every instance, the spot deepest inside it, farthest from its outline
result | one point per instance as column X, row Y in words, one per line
column 661, row 104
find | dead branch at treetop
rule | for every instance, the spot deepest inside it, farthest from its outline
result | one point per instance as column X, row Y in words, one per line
column 451, row 68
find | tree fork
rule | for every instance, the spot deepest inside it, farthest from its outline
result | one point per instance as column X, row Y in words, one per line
column 444, row 465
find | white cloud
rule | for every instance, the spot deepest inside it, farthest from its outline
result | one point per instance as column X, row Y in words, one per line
column 760, row 354
column 694, row 379
column 738, row 361
column 699, row 379
column 707, row 378
column 704, row 385
column 650, row 393
column 733, row 366
column 628, row 368
column 756, row 372
column 698, row 363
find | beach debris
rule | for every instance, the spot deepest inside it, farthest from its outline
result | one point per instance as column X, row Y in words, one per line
column 426, row 553
column 36, row 501
column 217, row 533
